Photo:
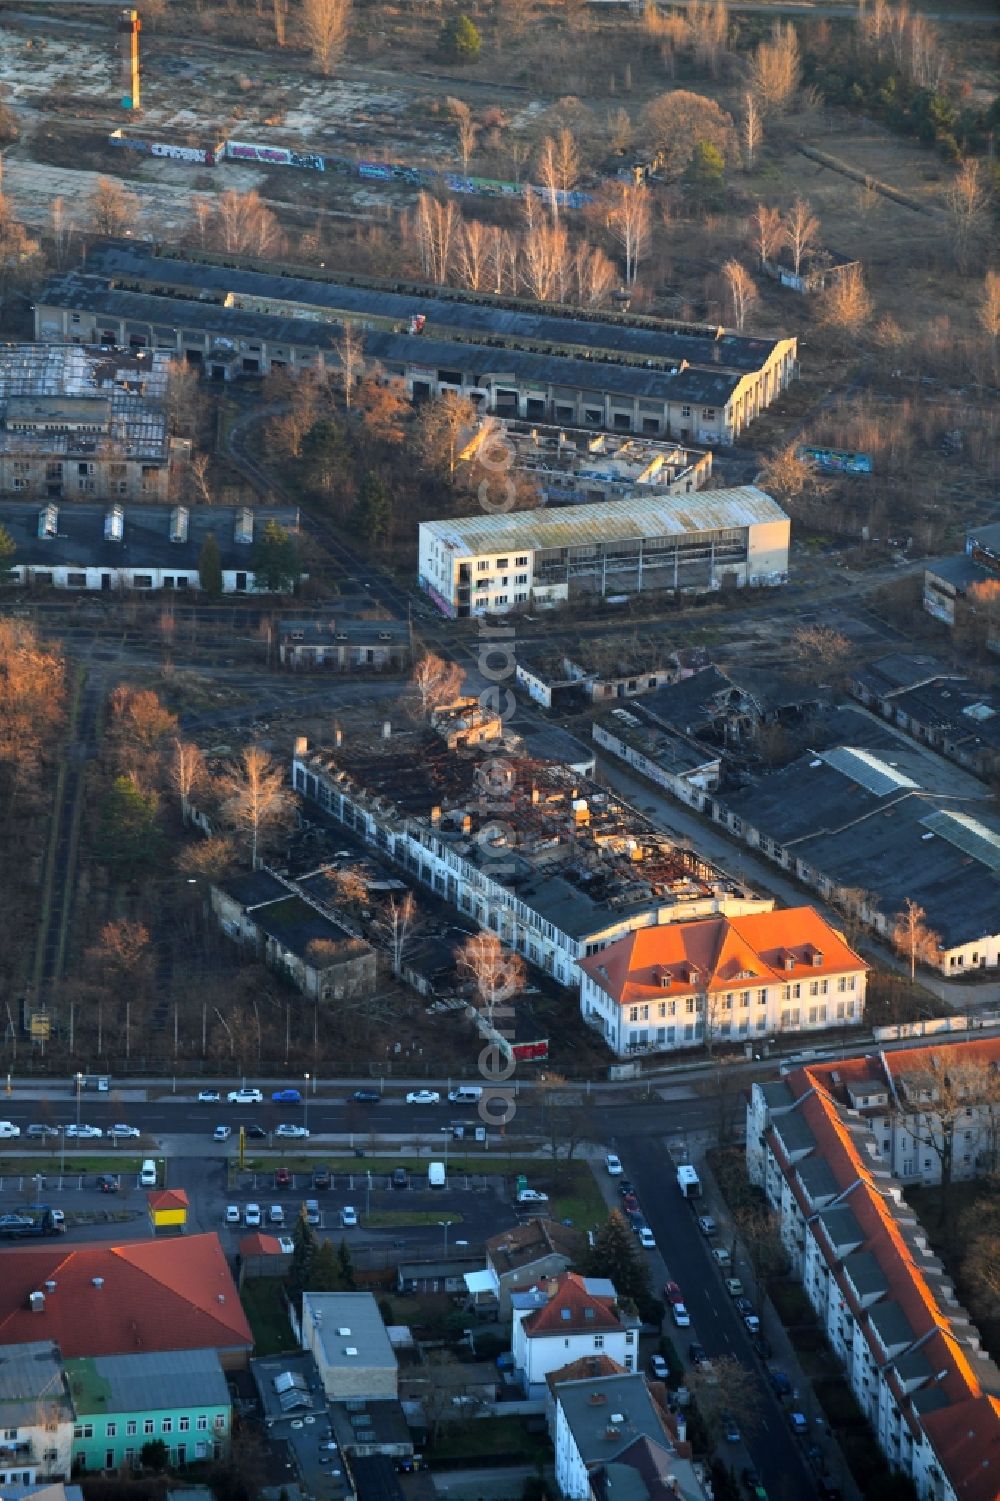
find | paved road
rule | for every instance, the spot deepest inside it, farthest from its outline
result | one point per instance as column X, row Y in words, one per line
column 773, row 1449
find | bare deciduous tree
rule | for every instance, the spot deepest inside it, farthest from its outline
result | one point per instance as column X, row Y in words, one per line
column 676, row 123
column 800, row 228
column 112, row 208
column 435, row 681
column 436, row 225
column 967, row 201
column 396, row 924
column 709, row 30
column 620, row 131
column 497, row 973
column 846, row 303
column 558, row 166
column 912, row 938
column 766, row 231
column 61, row 228
column 324, row 26
column 628, row 219
column 820, row 649
column 594, row 275
column 472, row 254
column 187, row 772
column 350, row 352
column 349, row 886
column 776, row 69
column 244, row 225
column 255, row 797
column 741, row 290
column 279, row 10
column 751, row 130
column 443, row 426
column 989, row 304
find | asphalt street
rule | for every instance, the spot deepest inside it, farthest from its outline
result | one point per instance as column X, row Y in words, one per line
column 774, row 1451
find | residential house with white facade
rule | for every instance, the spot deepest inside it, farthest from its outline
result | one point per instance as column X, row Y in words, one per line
column 722, row 979
column 601, row 1421
column 36, row 1414
column 574, row 1317
column 521, row 1258
column 911, row 1356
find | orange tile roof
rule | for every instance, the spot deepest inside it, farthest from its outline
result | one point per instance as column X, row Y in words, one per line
column 260, row 1244
column 726, row 952
column 156, row 1295
column 585, row 1369
column 573, row 1310
column 167, row 1198
column 877, row 1216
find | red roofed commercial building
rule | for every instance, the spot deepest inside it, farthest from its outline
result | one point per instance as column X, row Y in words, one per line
column 125, row 1300
column 912, row 1357
column 682, row 984
column 572, row 1317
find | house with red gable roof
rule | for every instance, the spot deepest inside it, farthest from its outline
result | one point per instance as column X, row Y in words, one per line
column 722, row 979
column 911, row 1355
column 129, row 1299
column 570, row 1318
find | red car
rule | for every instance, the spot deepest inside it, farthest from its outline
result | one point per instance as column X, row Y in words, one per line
column 630, row 1204
column 672, row 1293
column 282, row 1177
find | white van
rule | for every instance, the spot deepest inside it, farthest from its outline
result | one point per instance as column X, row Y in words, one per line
column 465, row 1094
column 436, row 1175
column 147, row 1176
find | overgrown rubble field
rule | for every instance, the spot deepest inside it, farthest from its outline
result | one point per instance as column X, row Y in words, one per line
column 386, row 101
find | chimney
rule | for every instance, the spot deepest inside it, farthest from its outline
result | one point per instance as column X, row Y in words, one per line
column 98, row 1282
column 50, row 1287
column 301, row 745
column 37, row 1302
column 338, row 737
column 467, row 823
column 680, row 1422
column 534, row 794
column 386, row 730
column 436, row 814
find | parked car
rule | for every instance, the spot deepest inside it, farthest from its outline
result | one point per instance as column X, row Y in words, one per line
column 532, row 1196
column 122, row 1132
column 287, row 1097
column 697, row 1353
column 255, row 1133
column 423, row 1097
column 734, row 1287
column 625, row 1187
column 743, row 1304
column 209, row 1097
column 251, row 1216
column 282, row 1177
column 245, row 1097
column 400, row 1178
column 798, row 1422
column 286, row 1244
column 222, row 1133
column 107, row 1183
column 681, row 1316
column 647, row 1239
column 730, row 1429
column 707, row 1225
column 762, row 1348
column 232, row 1214
column 630, row 1204
column 348, row 1217
column 658, row 1368
column 780, row 1384
column 613, row 1163
column 8, row 1129
column 752, row 1323
column 721, row 1255
column 44, row 1131
column 672, row 1293
column 322, row 1178
column 366, row 1096
column 313, row 1216
column 275, row 1215
column 83, row 1133
column 297, row 1133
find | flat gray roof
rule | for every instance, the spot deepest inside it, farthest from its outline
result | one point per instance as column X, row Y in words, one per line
column 698, row 345
column 623, row 1404
column 350, row 1321
column 149, row 1383
column 31, row 1378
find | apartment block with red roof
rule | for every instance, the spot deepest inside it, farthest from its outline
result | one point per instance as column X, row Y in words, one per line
column 573, row 1318
column 736, row 978
column 910, row 1353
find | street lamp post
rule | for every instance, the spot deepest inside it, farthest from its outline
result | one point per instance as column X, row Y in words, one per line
column 79, row 1085
column 444, row 1226
column 305, row 1104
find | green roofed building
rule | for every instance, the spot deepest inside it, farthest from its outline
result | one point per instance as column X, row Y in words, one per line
column 125, row 1401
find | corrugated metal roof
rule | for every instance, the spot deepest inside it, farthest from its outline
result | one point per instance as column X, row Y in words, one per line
column 872, row 772
column 970, row 835
column 612, row 521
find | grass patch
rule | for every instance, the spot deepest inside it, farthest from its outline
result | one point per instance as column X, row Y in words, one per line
column 26, row 1167
column 264, row 1306
column 573, row 1193
column 392, row 1219
column 490, row 1438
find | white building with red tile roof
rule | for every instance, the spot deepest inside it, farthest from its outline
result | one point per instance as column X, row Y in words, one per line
column 581, row 1316
column 912, row 1357
column 717, row 979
